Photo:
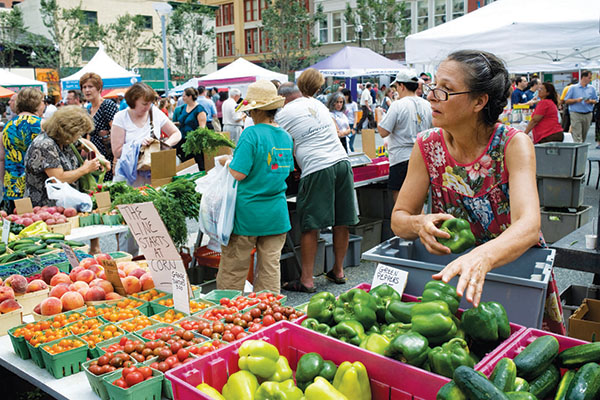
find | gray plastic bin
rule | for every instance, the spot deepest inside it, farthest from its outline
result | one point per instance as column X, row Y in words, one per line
column 557, row 224
column 519, row 286
column 560, row 192
column 370, row 231
column 561, row 160
column 288, row 262
column 572, row 297
column 352, row 258
column 386, row 230
column 375, row 201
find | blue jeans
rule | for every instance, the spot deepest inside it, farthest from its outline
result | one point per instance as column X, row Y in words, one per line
column 351, row 138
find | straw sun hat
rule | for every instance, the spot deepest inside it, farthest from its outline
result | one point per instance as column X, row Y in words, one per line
column 261, row 95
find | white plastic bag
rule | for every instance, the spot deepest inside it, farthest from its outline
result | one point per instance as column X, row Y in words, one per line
column 217, row 207
column 67, row 196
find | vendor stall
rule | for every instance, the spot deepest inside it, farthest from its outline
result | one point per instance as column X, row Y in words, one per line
column 14, row 82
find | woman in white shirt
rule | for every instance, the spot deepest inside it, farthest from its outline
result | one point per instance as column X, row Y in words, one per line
column 351, row 110
column 142, row 123
column 337, row 105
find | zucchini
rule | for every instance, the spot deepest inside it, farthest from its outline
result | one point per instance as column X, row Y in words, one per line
column 575, row 357
column 74, row 243
column 520, row 396
column 43, row 251
column 504, row 375
column 47, row 236
column 475, row 386
column 3, row 258
column 544, row 384
column 450, row 392
column 536, row 357
column 586, row 383
column 32, row 249
column 563, row 386
column 521, row 385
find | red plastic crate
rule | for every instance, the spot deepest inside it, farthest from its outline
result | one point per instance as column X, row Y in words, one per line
column 523, row 341
column 390, row 380
column 206, row 257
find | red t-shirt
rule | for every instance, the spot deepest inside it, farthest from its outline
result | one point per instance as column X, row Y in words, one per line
column 549, row 123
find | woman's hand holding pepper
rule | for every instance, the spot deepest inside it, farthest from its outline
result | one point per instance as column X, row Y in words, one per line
column 428, row 231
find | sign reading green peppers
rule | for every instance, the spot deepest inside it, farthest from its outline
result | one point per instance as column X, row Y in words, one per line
column 461, row 237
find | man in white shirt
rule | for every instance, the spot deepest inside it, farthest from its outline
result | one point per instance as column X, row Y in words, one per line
column 232, row 121
column 405, row 118
column 366, row 103
column 50, row 107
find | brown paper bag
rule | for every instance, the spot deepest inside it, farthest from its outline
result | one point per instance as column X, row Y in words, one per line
column 145, row 158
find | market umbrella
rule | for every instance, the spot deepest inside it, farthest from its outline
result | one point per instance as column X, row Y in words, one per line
column 4, row 92
column 113, row 93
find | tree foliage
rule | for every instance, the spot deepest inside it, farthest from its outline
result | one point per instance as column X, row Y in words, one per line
column 11, row 30
column 289, row 28
column 383, row 25
column 125, row 36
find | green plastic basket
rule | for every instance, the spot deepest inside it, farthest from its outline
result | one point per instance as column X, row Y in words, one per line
column 154, row 327
column 64, row 266
column 147, row 390
column 108, row 342
column 282, row 300
column 36, row 355
column 96, row 381
column 217, row 295
column 19, row 344
column 156, row 308
column 167, row 387
column 66, row 363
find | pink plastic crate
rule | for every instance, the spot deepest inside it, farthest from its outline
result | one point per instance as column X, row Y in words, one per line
column 390, row 380
column 523, row 341
column 364, row 172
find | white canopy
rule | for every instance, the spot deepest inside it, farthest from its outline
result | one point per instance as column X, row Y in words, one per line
column 112, row 74
column 544, row 35
column 15, row 82
column 239, row 73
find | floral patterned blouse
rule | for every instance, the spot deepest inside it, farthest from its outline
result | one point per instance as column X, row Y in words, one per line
column 477, row 192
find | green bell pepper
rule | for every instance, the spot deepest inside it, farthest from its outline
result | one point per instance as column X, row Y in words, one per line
column 312, row 365
column 352, row 381
column 395, row 329
column 356, row 304
column 258, row 357
column 384, row 295
column 350, row 331
column 314, row 325
column 399, row 311
column 449, row 356
column 438, row 290
column 285, row 390
column 487, row 322
column 321, row 389
column 283, row 372
column 328, row 371
column 210, row 391
column 374, row 329
column 376, row 343
column 433, row 320
column 461, row 237
column 240, row 386
column 410, row 347
column 321, row 306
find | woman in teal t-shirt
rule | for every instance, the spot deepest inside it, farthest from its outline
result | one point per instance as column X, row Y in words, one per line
column 262, row 161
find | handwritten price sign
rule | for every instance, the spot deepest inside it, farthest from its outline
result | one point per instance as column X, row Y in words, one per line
column 396, row 278
column 181, row 296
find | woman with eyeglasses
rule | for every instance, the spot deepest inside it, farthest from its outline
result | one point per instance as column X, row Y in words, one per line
column 477, row 169
column 337, row 105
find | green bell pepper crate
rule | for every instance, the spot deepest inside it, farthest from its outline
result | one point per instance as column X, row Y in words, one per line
column 321, row 307
column 461, row 237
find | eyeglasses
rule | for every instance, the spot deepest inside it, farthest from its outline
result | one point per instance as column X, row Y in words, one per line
column 439, row 93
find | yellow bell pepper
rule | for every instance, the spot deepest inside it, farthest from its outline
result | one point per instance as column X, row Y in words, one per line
column 210, row 391
column 352, row 381
column 35, row 229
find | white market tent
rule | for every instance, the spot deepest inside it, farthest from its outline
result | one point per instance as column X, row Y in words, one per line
column 239, row 74
column 112, row 74
column 15, row 82
column 529, row 35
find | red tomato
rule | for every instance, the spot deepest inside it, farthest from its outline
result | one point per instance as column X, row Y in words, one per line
column 241, row 335
column 182, row 354
column 146, row 371
column 134, row 378
column 229, row 337
column 175, row 347
column 123, row 341
column 127, row 371
column 224, row 301
column 268, row 320
column 120, row 383
column 251, row 295
column 255, row 328
column 236, row 329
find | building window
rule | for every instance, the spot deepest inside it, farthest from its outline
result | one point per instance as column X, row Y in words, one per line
column 251, row 10
column 263, row 4
column 219, row 45
column 264, row 42
column 440, row 12
column 199, row 26
column 200, row 57
column 90, row 17
column 350, row 33
column 228, row 43
column 87, row 53
column 324, row 31
column 227, row 14
column 422, row 15
column 458, row 8
column 147, row 21
column 406, row 22
column 146, row 56
column 218, row 17
column 336, row 27
column 251, row 41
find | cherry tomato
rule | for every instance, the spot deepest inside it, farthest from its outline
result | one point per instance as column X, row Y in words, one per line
column 268, row 320
column 145, row 371
column 134, row 378
column 127, row 371
column 120, row 383
column 182, row 354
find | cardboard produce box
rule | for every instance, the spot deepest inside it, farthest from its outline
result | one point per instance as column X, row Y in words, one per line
column 585, row 321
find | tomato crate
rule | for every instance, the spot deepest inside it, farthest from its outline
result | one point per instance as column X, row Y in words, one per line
column 96, row 381
column 149, row 294
column 217, row 295
column 167, row 386
column 19, row 343
column 293, row 341
column 154, row 327
column 146, row 390
column 66, row 363
column 518, row 345
column 159, row 317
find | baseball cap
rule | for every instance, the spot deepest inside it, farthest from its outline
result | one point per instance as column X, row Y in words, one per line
column 406, row 75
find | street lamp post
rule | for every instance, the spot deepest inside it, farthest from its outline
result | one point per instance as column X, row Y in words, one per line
column 359, row 30
column 163, row 10
column 383, row 42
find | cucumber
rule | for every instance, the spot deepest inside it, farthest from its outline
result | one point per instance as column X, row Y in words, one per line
column 20, row 242
column 544, row 384
column 563, row 386
column 47, row 236
column 520, row 396
column 74, row 243
column 42, row 251
column 32, row 249
column 575, row 357
column 2, row 248
column 521, row 385
column 586, row 383
column 504, row 375
column 3, row 258
column 450, row 392
column 50, row 241
column 12, row 257
column 475, row 386
column 536, row 357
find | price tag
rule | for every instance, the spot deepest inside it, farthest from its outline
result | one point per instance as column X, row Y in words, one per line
column 73, row 260
column 5, row 231
column 181, row 291
column 396, row 278
column 112, row 275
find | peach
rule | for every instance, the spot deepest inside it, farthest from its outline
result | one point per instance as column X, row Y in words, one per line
column 74, row 272
column 17, row 282
column 95, row 293
column 35, row 285
column 61, row 277
column 9, row 305
column 103, row 283
column 58, row 290
column 113, row 296
column 102, row 275
column 49, row 272
column 78, row 285
column 87, row 262
column 102, row 256
column 83, row 291
column 131, row 284
column 138, row 272
column 71, row 301
column 37, row 309
column 96, row 269
column 146, row 281
column 130, row 264
column 51, row 306
column 6, row 293
column 86, row 276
